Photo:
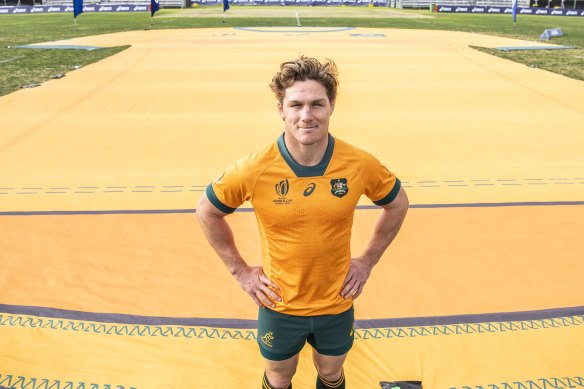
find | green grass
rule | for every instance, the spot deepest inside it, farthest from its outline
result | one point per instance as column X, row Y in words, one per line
column 19, row 67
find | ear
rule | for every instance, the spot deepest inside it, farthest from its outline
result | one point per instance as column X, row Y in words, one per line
column 281, row 110
column 333, row 106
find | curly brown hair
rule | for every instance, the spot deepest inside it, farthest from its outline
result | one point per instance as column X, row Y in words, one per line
column 306, row 68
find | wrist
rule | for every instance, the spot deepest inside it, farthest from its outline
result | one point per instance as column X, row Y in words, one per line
column 369, row 261
column 238, row 270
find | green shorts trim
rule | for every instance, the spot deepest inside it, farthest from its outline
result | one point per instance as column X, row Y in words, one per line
column 281, row 336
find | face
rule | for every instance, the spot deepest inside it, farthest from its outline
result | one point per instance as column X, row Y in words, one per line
column 306, row 111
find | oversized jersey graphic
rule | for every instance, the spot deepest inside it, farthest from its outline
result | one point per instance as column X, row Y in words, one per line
column 305, row 215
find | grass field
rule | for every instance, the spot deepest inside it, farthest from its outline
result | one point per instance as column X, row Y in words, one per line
column 20, row 67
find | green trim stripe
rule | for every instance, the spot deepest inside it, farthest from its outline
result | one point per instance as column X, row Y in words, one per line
column 216, row 202
column 391, row 196
column 307, row 171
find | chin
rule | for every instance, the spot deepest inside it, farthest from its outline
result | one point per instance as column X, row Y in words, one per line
column 308, row 140
column 309, row 137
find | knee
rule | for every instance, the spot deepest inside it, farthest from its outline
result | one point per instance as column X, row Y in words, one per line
column 329, row 373
column 276, row 382
column 279, row 378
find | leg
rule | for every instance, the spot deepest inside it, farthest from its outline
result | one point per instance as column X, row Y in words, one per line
column 280, row 339
column 330, row 370
column 331, row 341
column 279, row 373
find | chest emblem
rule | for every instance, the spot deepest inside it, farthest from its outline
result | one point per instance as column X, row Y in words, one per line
column 339, row 187
column 282, row 188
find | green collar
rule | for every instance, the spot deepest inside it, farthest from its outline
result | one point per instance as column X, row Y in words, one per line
column 307, row 171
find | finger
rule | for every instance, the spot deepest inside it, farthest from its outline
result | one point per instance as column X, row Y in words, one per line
column 348, row 277
column 349, row 287
column 273, row 296
column 349, row 280
column 353, row 291
column 355, row 288
column 265, row 300
column 266, row 281
column 271, row 289
column 346, row 292
column 358, row 292
column 266, row 284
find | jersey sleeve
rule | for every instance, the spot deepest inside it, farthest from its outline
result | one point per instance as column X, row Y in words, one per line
column 232, row 188
column 380, row 185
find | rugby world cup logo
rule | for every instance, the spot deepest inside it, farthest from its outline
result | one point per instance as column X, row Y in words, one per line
column 282, row 188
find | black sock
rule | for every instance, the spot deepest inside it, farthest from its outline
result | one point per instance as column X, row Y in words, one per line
column 323, row 384
column 266, row 384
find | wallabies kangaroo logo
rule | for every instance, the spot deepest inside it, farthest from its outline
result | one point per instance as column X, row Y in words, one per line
column 267, row 339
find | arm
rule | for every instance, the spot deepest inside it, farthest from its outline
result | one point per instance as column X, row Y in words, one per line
column 386, row 229
column 251, row 278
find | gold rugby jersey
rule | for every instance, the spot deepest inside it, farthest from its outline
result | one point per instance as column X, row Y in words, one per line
column 305, row 215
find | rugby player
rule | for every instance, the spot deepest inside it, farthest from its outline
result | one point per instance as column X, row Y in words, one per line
column 304, row 188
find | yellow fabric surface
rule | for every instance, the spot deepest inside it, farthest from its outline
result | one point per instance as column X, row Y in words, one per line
column 468, row 296
column 166, row 357
column 444, row 262
column 151, row 126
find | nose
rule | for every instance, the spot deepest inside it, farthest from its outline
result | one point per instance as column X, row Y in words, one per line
column 306, row 114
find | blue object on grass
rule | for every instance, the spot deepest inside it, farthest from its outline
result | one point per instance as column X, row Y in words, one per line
column 550, row 33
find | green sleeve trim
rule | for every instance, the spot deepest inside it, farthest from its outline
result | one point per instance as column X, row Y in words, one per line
column 391, row 196
column 216, row 202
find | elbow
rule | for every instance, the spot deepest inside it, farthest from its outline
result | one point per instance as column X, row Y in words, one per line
column 201, row 203
column 206, row 211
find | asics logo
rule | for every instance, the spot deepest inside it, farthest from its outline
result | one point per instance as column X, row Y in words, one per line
column 309, row 189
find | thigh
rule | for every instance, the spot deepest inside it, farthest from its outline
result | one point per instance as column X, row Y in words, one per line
column 280, row 373
column 333, row 335
column 328, row 366
column 281, row 336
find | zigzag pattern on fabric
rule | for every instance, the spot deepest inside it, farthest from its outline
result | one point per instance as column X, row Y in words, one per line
column 537, row 383
column 246, row 334
column 125, row 329
column 465, row 329
column 20, row 382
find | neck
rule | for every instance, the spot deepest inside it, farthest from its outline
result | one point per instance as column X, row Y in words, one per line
column 306, row 155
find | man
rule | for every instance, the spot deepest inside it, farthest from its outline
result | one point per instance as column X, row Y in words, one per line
column 304, row 188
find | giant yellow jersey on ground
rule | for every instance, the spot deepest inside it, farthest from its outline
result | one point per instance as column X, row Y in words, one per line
column 305, row 215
